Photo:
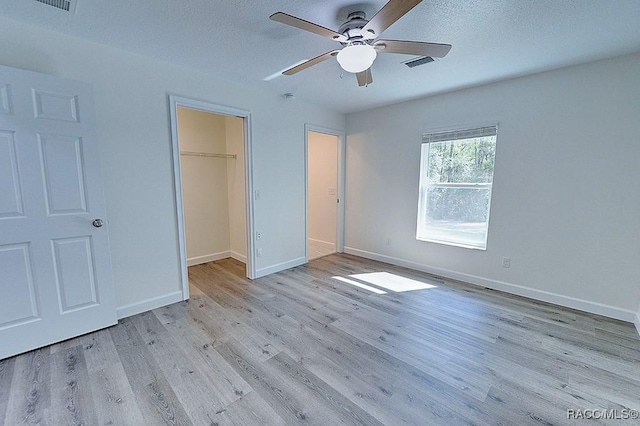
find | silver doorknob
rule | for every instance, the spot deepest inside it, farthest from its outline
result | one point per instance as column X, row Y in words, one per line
column 98, row 223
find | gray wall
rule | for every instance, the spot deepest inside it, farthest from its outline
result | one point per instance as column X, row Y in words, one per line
column 565, row 203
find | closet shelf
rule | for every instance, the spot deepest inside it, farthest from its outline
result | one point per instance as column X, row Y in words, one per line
column 207, row 154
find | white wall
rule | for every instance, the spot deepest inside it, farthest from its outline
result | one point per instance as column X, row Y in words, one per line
column 204, row 184
column 323, row 176
column 131, row 94
column 236, row 188
column 565, row 203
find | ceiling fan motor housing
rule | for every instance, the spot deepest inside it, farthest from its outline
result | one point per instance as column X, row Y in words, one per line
column 352, row 29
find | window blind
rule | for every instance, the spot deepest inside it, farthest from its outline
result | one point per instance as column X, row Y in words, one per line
column 460, row 134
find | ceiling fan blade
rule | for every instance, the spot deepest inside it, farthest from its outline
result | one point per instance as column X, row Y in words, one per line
column 364, row 78
column 390, row 13
column 283, row 18
column 310, row 63
column 417, row 48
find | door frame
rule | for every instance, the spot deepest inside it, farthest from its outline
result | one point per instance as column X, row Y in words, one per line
column 174, row 103
column 342, row 149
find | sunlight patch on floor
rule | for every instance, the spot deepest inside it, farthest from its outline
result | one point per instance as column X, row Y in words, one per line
column 384, row 280
column 361, row 285
column 392, row 282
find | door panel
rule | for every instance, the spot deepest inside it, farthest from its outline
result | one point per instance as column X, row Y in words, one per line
column 63, row 174
column 56, row 280
column 16, row 279
column 5, row 99
column 10, row 193
column 55, row 106
column 75, row 275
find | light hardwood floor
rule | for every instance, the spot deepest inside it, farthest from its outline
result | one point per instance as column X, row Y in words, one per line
column 302, row 347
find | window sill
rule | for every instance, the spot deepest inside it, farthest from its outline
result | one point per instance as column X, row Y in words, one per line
column 451, row 243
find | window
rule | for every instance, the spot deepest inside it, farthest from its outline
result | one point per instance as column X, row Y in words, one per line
column 456, row 174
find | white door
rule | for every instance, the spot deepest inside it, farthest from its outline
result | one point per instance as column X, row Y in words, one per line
column 55, row 270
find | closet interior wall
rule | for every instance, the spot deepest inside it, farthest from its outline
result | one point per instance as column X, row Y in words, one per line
column 236, row 184
column 212, row 187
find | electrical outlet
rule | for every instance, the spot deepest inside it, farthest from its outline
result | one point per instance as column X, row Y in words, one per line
column 388, row 242
column 259, row 252
column 506, row 262
column 258, row 235
column 257, row 195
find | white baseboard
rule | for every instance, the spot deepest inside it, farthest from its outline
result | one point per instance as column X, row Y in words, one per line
column 544, row 296
column 637, row 322
column 326, row 244
column 149, row 304
column 237, row 256
column 208, row 258
column 280, row 267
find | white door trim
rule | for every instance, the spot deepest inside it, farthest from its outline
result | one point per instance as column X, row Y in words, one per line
column 342, row 146
column 174, row 103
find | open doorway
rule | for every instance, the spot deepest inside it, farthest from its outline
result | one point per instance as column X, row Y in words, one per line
column 324, row 189
column 213, row 189
column 211, row 148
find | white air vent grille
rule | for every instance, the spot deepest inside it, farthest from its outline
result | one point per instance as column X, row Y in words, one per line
column 66, row 5
column 420, row 61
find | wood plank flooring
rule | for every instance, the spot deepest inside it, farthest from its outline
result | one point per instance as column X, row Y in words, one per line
column 303, row 347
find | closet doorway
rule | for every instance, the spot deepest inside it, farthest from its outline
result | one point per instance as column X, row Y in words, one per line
column 324, row 148
column 211, row 165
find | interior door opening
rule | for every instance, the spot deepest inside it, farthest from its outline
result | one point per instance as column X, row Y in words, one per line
column 323, row 194
column 213, row 187
column 211, row 158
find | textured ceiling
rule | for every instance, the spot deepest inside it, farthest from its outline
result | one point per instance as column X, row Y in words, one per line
column 235, row 40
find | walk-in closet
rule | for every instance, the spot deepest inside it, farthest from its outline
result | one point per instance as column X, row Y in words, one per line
column 213, row 185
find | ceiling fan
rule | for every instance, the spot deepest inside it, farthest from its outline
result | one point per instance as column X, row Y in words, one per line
column 359, row 38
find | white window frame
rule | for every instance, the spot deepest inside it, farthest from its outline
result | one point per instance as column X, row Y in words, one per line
column 425, row 185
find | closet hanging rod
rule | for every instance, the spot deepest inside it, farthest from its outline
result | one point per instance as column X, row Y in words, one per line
column 207, row 154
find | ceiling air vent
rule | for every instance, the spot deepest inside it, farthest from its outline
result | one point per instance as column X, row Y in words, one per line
column 415, row 62
column 66, row 5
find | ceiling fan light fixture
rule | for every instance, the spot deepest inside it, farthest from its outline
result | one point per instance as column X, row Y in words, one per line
column 356, row 58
